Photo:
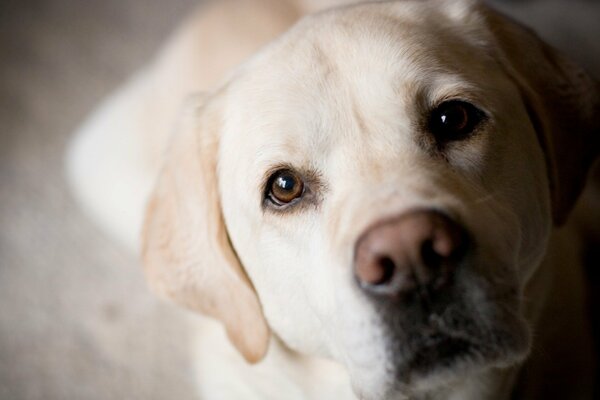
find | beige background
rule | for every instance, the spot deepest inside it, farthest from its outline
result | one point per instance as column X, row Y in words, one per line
column 76, row 320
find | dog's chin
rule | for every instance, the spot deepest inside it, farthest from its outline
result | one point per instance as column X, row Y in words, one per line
column 443, row 365
column 429, row 348
column 448, row 358
column 424, row 363
column 439, row 358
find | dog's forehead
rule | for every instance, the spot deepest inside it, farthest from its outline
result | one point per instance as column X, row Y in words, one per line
column 371, row 37
column 348, row 72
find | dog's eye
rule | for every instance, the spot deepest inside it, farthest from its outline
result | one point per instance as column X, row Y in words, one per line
column 454, row 120
column 284, row 187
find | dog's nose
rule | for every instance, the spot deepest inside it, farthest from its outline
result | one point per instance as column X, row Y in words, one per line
column 414, row 252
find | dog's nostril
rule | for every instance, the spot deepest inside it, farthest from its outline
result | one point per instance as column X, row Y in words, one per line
column 431, row 255
column 386, row 270
column 375, row 270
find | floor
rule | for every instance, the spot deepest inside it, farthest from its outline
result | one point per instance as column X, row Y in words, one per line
column 76, row 319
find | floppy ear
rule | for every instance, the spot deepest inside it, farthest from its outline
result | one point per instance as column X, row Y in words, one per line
column 563, row 102
column 186, row 249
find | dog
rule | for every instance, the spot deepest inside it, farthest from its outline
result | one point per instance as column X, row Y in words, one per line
column 373, row 202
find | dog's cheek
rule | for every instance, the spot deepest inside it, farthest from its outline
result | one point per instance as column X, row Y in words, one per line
column 525, row 182
column 511, row 191
column 291, row 274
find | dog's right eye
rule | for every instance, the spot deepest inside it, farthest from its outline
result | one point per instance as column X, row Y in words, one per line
column 454, row 120
column 284, row 186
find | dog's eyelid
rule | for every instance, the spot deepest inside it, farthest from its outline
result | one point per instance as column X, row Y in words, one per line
column 431, row 98
column 462, row 98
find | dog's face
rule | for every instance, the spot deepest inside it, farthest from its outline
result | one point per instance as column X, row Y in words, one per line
column 382, row 178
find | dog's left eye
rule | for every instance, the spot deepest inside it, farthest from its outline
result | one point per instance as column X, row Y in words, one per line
column 284, row 186
column 454, row 120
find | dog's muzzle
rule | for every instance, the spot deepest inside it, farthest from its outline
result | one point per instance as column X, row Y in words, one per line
column 432, row 291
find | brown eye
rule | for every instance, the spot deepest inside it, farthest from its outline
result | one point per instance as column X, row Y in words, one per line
column 284, row 187
column 454, row 120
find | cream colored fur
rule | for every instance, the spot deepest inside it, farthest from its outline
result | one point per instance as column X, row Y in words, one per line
column 341, row 100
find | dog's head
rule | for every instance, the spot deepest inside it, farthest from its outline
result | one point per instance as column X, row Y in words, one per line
column 377, row 187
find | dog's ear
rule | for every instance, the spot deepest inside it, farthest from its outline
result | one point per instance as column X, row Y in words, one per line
column 563, row 102
column 187, row 254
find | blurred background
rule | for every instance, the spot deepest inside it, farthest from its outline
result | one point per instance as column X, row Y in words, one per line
column 76, row 319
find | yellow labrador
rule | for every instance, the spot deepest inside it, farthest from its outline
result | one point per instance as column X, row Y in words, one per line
column 370, row 205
